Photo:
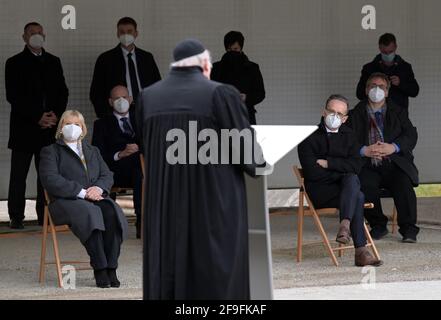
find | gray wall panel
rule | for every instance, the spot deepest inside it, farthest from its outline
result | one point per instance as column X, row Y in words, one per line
column 306, row 50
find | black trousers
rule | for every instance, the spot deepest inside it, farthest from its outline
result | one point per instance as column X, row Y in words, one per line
column 104, row 247
column 350, row 201
column 129, row 175
column 20, row 164
column 391, row 177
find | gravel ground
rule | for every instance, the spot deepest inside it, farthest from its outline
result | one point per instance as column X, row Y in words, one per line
column 403, row 262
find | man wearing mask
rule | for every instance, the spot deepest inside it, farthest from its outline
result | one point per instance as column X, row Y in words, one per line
column 115, row 136
column 386, row 139
column 330, row 160
column 398, row 71
column 37, row 92
column 234, row 68
column 125, row 65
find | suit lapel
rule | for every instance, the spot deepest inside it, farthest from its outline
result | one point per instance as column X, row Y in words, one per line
column 121, row 63
column 87, row 151
column 115, row 124
column 141, row 67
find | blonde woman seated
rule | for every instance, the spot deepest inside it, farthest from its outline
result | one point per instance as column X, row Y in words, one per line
column 78, row 182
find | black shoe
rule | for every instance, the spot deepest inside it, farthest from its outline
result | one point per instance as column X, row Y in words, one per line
column 378, row 233
column 409, row 239
column 16, row 224
column 114, row 282
column 101, row 278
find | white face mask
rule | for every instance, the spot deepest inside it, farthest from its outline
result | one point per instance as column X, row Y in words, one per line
column 36, row 41
column 377, row 95
column 333, row 121
column 126, row 39
column 71, row 132
column 121, row 105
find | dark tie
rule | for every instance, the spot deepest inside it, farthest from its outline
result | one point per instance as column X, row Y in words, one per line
column 133, row 78
column 379, row 120
column 126, row 126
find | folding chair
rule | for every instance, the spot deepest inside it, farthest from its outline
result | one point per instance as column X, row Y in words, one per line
column 316, row 213
column 49, row 226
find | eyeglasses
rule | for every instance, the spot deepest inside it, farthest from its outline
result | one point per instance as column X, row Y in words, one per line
column 341, row 115
column 372, row 86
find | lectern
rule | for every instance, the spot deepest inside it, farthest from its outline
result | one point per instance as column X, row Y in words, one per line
column 276, row 142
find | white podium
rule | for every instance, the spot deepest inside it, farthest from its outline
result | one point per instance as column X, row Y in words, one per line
column 276, row 142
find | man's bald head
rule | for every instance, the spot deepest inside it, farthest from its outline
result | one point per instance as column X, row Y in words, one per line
column 118, row 92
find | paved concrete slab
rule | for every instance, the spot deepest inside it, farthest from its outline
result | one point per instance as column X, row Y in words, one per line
column 416, row 290
column 409, row 266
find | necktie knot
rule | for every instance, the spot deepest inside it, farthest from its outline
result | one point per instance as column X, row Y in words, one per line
column 126, row 126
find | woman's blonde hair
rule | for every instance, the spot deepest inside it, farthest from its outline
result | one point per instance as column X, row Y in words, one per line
column 67, row 114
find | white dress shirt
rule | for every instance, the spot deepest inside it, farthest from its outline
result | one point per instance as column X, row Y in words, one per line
column 330, row 131
column 75, row 148
column 126, row 59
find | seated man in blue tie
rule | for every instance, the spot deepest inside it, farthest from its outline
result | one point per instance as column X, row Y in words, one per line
column 115, row 136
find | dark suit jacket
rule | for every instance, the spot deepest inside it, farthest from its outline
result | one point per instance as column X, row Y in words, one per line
column 34, row 85
column 341, row 151
column 408, row 85
column 109, row 138
column 397, row 129
column 63, row 175
column 110, row 71
column 245, row 76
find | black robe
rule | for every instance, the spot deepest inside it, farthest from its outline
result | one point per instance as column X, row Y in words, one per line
column 196, row 228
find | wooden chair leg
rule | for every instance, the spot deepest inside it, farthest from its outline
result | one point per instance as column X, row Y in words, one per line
column 340, row 252
column 56, row 253
column 371, row 242
column 142, row 211
column 43, row 246
column 394, row 220
column 300, row 227
column 325, row 237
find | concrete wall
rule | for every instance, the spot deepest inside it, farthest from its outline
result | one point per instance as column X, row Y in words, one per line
column 307, row 49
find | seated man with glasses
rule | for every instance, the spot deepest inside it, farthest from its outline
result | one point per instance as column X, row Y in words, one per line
column 386, row 138
column 331, row 161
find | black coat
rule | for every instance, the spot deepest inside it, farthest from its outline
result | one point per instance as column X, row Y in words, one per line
column 342, row 153
column 63, row 176
column 34, row 85
column 110, row 139
column 397, row 129
column 110, row 71
column 408, row 85
column 236, row 70
column 196, row 224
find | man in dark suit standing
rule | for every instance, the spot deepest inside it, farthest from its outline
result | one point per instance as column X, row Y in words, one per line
column 399, row 72
column 386, row 139
column 115, row 136
column 37, row 92
column 331, row 162
column 125, row 65
column 236, row 69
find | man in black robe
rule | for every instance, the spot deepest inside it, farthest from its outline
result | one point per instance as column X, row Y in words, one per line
column 195, row 215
